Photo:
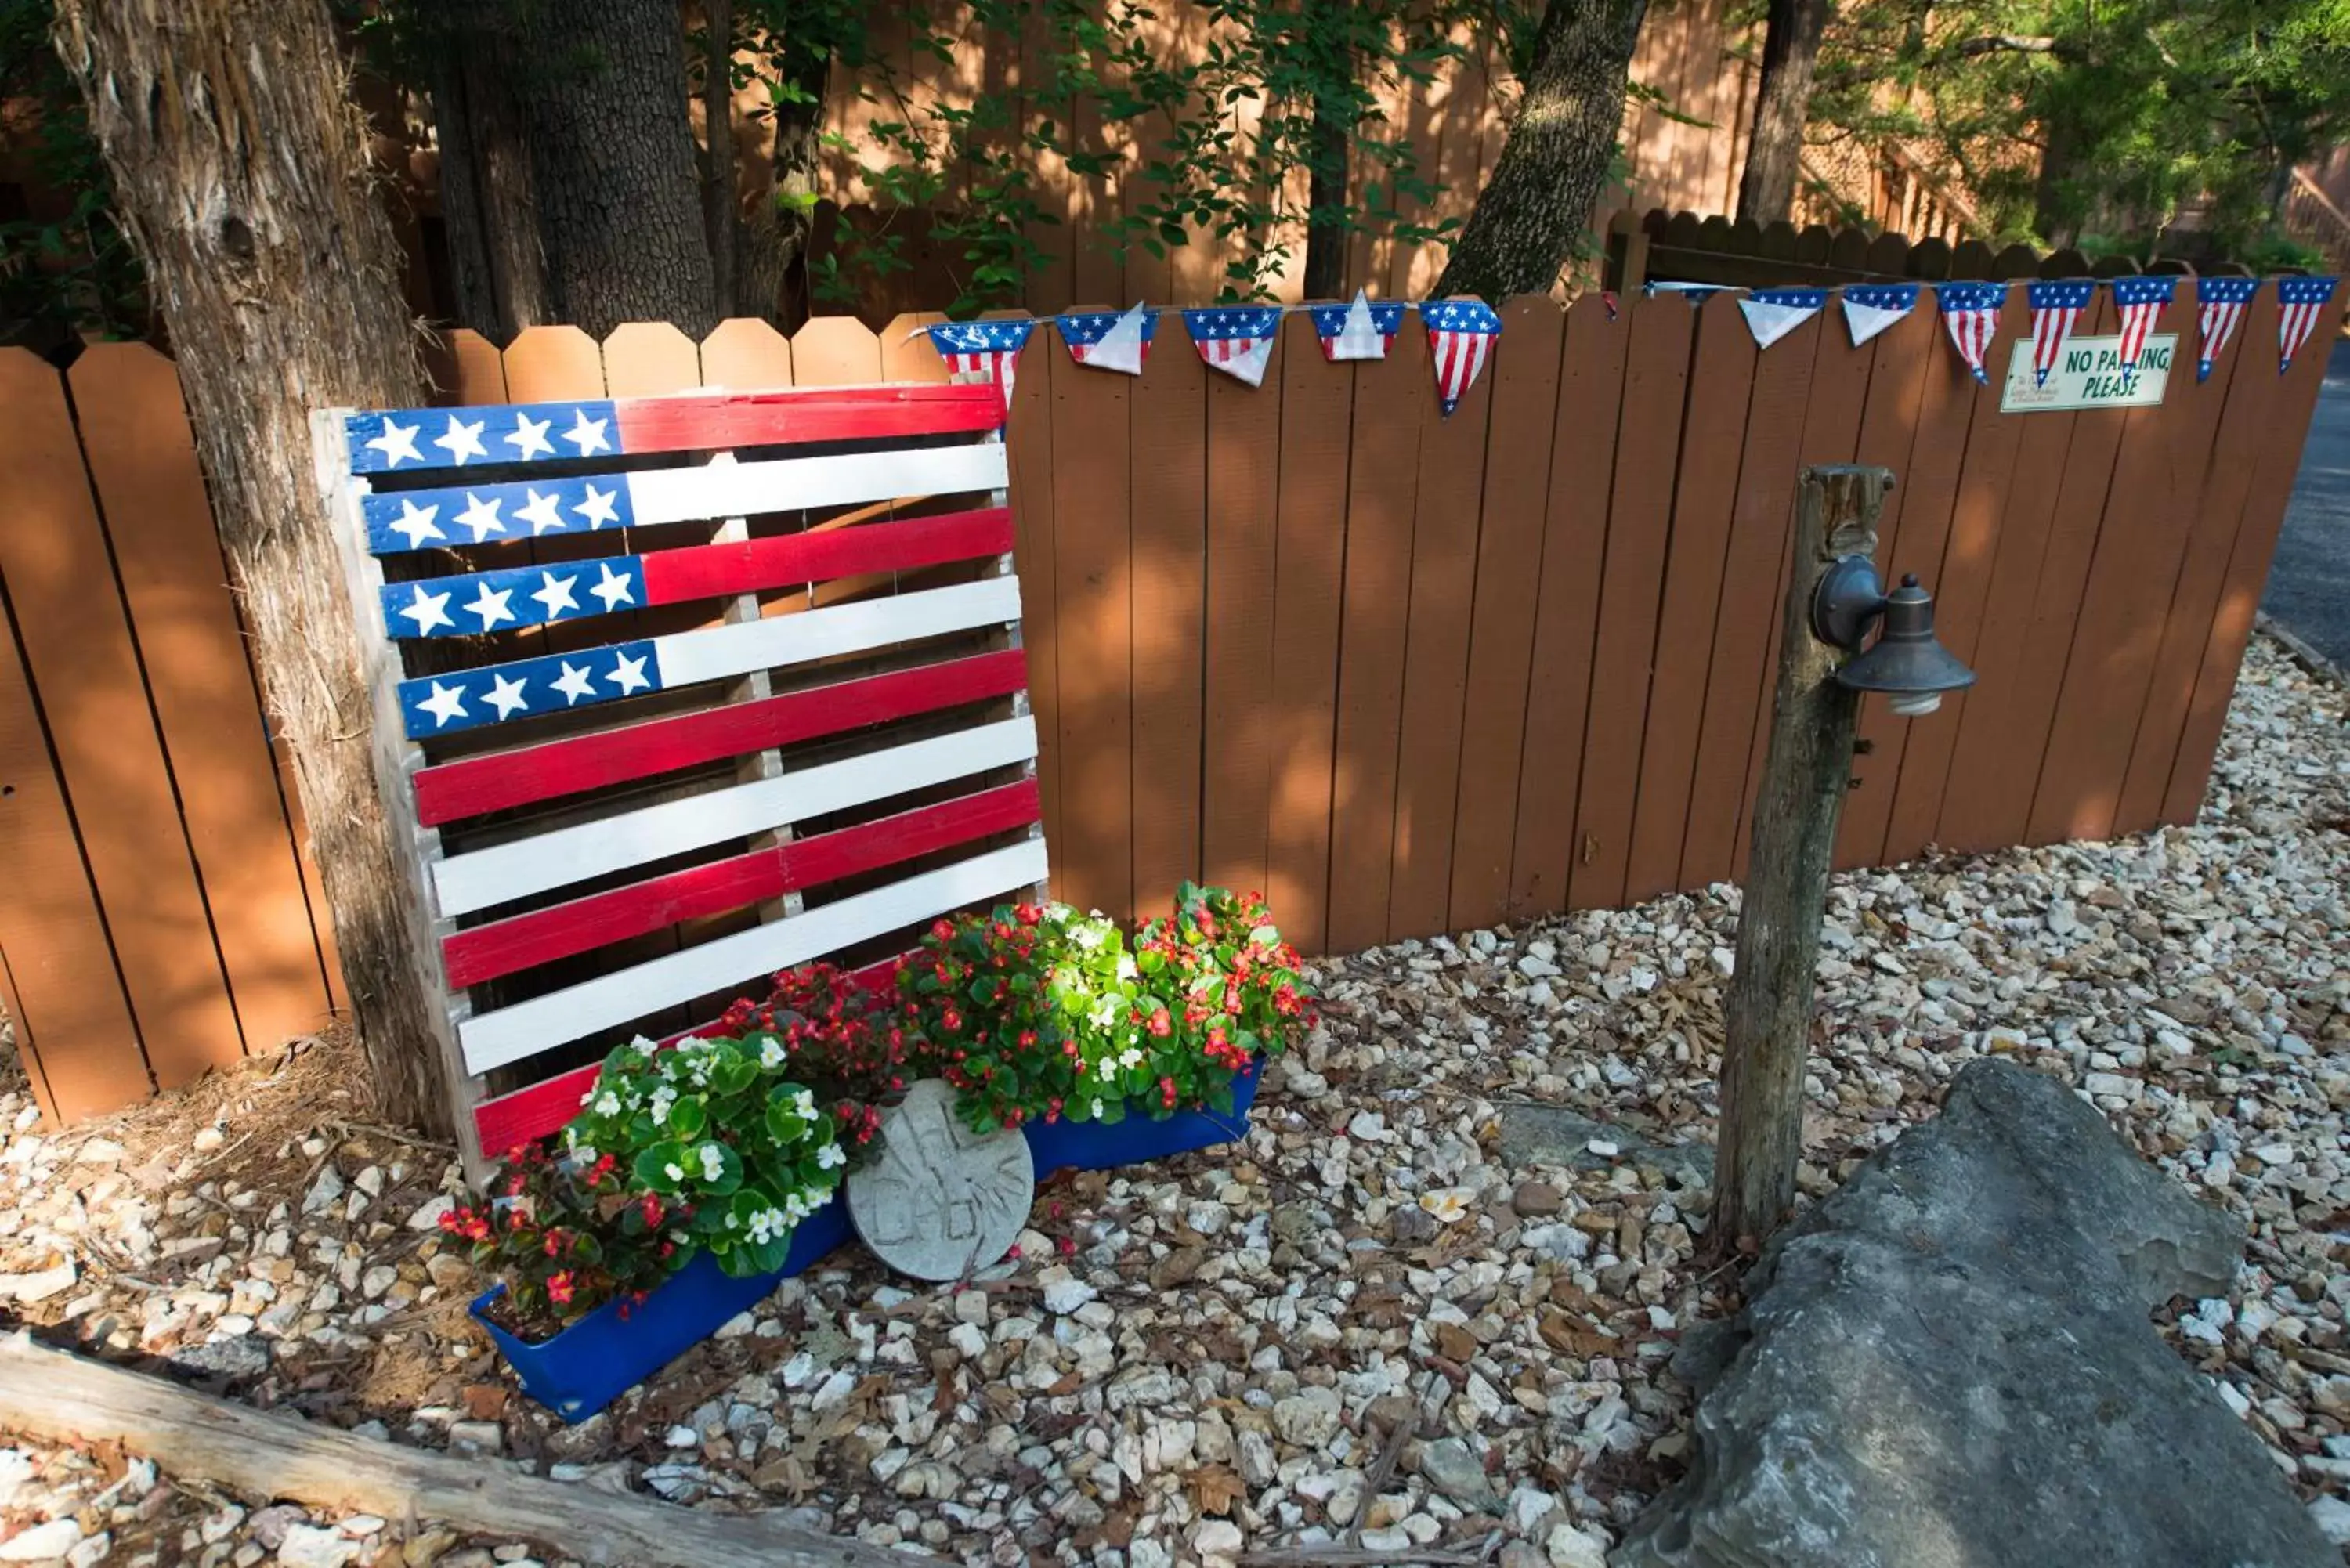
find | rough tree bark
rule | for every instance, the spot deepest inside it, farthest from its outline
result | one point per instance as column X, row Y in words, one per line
column 1537, row 205
column 1806, row 774
column 775, row 237
column 719, row 213
column 613, row 161
column 1791, row 51
column 490, row 216
column 240, row 170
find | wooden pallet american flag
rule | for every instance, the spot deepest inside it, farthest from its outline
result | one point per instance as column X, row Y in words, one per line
column 673, row 693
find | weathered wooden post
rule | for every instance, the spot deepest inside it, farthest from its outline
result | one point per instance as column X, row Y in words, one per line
column 1833, row 600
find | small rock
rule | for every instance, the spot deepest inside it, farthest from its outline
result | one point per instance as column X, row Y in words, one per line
column 1568, row 1547
column 1065, row 1292
column 1218, row 1541
column 2332, row 1517
column 309, row 1546
column 1307, row 1418
column 1450, row 1467
column 208, row 1139
column 38, row 1285
column 42, row 1542
column 1534, row 1198
column 477, row 1437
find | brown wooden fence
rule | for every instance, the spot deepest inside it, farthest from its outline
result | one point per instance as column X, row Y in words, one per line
column 1407, row 673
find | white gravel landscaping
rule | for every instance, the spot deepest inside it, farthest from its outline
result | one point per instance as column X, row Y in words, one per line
column 1381, row 1316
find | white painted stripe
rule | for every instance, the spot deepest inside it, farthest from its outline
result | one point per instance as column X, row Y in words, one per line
column 511, row 1033
column 718, row 653
column 784, row 484
column 476, row 881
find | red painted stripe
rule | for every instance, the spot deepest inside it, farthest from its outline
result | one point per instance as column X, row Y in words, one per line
column 503, row 779
column 503, row 946
column 514, row 1119
column 707, row 571
column 705, row 421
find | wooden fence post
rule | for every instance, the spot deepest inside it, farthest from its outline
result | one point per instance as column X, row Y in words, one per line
column 1801, row 794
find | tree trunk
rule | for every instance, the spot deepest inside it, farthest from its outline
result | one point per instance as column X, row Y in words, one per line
column 776, row 238
column 240, row 168
column 613, row 163
column 720, row 216
column 1326, row 201
column 1790, row 49
column 489, row 216
column 1768, row 1022
column 1535, row 210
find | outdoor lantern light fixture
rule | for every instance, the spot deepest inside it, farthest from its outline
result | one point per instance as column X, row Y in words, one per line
column 1905, row 663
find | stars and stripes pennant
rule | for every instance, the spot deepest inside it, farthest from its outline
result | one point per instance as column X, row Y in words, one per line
column 1971, row 312
column 1101, row 340
column 986, row 348
column 2220, row 304
column 1359, row 330
column 2140, row 301
column 1870, row 307
column 1236, row 339
column 1772, row 313
column 2299, row 302
column 2056, row 305
column 1461, row 334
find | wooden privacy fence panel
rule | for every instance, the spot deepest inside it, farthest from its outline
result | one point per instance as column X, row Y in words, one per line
column 1407, row 673
column 159, row 916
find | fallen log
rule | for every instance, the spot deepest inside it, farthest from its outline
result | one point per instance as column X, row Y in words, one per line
column 60, row 1397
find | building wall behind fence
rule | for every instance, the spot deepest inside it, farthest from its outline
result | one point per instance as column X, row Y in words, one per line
column 1407, row 673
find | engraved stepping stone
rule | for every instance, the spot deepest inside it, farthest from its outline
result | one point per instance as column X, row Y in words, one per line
column 942, row 1201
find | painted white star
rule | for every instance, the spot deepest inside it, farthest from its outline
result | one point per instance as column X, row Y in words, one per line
column 613, row 590
column 574, row 684
column 428, row 610
column 557, row 594
column 540, row 513
column 598, row 508
column 629, row 674
column 529, row 438
column 481, row 515
column 505, row 695
column 492, row 607
column 398, row 440
column 463, row 441
column 416, row 522
column 587, row 434
column 446, row 702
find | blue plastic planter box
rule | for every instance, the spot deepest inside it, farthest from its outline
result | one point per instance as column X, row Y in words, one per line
column 596, row 1360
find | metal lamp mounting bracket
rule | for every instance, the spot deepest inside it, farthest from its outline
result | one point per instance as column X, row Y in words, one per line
column 1846, row 602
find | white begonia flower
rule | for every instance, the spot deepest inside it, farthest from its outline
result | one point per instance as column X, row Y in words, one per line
column 830, row 1156
column 608, row 1104
column 1091, row 937
column 663, row 1097
column 642, row 1046
column 675, row 1173
column 588, row 1096
column 583, row 1152
column 771, row 1054
column 1105, row 1013
column 1098, row 1110
column 714, row 1161
column 803, row 1105
column 1130, row 1058
column 1126, row 970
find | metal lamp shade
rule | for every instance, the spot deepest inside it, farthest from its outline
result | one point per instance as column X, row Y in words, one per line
column 1907, row 663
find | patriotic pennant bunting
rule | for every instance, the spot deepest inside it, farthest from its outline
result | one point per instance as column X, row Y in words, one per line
column 1971, row 312
column 1870, row 307
column 1361, row 330
column 1236, row 339
column 2299, row 302
column 2219, row 310
column 2055, row 306
column 1772, row 313
column 2140, row 301
column 1461, row 334
column 987, row 348
column 1104, row 341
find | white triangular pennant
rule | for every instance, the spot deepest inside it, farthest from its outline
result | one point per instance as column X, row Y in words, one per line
column 1772, row 313
column 1120, row 347
column 1360, row 337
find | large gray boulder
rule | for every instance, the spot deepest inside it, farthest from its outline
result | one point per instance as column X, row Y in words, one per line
column 1949, row 1365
